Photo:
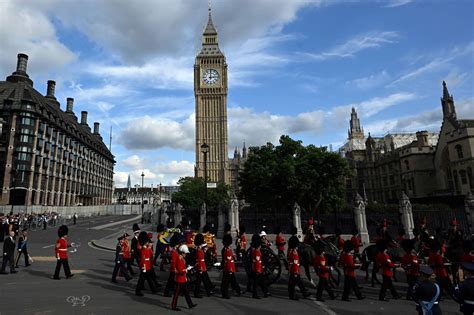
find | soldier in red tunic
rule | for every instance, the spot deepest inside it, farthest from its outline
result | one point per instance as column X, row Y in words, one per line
column 175, row 241
column 180, row 279
column 241, row 244
column 411, row 265
column 61, row 253
column 383, row 261
column 228, row 264
column 347, row 262
column 294, row 269
column 280, row 244
column 201, row 268
column 339, row 240
column 436, row 262
column 323, row 273
column 256, row 275
column 127, row 257
column 146, row 259
column 355, row 240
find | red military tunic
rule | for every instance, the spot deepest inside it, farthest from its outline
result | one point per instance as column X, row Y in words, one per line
column 340, row 243
column 320, row 265
column 243, row 242
column 145, row 259
column 347, row 262
column 61, row 248
column 293, row 261
column 200, row 261
column 180, row 276
column 257, row 261
column 436, row 261
column 280, row 242
column 467, row 257
column 355, row 242
column 411, row 265
column 174, row 258
column 126, row 249
column 384, row 261
column 229, row 265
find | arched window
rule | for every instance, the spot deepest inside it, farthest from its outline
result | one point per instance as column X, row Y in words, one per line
column 459, row 151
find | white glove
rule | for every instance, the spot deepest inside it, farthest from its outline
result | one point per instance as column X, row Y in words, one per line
column 189, row 268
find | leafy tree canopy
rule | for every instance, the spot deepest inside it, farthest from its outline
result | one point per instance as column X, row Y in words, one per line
column 192, row 194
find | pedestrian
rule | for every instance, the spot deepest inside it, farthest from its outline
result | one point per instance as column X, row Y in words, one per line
column 120, row 262
column 74, row 218
column 256, row 275
column 280, row 244
column 146, row 256
column 135, row 248
column 45, row 221
column 426, row 294
column 201, row 269
column 411, row 265
column 175, row 242
column 61, row 253
column 347, row 263
column 228, row 275
column 436, row 262
column 126, row 253
column 385, row 263
column 180, row 280
column 464, row 292
column 8, row 253
column 2, row 227
column 323, row 272
column 294, row 270
column 22, row 248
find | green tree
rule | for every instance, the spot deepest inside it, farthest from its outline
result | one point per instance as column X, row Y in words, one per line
column 192, row 194
column 278, row 176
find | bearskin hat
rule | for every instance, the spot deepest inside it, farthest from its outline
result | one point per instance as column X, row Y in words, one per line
column 434, row 245
column 63, row 230
column 135, row 228
column 293, row 242
column 355, row 231
column 227, row 227
column 206, row 228
column 242, row 229
column 256, row 241
column 198, row 239
column 294, row 230
column 348, row 246
column 319, row 247
column 160, row 228
column 381, row 245
column 143, row 238
column 227, row 240
column 407, row 245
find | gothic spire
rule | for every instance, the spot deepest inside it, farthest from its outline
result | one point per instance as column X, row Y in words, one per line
column 129, row 182
column 210, row 29
column 445, row 91
column 447, row 103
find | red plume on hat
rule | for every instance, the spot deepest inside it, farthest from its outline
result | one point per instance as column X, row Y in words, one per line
column 454, row 222
column 310, row 221
column 385, row 223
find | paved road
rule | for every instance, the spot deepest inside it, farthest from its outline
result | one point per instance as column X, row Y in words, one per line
column 32, row 291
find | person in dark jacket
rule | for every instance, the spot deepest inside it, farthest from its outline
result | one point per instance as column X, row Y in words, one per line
column 22, row 248
column 426, row 293
column 135, row 246
column 8, row 253
column 120, row 262
column 464, row 292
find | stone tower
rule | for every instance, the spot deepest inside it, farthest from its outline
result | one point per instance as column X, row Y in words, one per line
column 210, row 91
column 356, row 132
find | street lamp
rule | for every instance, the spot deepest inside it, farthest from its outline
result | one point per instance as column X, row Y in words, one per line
column 143, row 177
column 160, row 207
column 205, row 151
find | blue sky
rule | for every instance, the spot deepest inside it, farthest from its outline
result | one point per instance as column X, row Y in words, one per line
column 295, row 67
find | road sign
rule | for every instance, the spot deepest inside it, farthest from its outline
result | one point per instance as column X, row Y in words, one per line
column 211, row 185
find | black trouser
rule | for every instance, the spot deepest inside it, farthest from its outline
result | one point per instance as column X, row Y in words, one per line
column 282, row 256
column 8, row 259
column 120, row 266
column 67, row 270
column 169, row 284
column 387, row 284
column 349, row 285
column 202, row 277
column 23, row 251
column 323, row 284
column 141, row 282
column 128, row 261
column 136, row 258
column 411, row 280
column 229, row 278
column 258, row 280
column 153, row 276
column 181, row 288
column 445, row 285
column 294, row 280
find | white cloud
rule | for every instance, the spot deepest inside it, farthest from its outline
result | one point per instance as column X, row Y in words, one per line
column 350, row 48
column 370, row 81
column 397, row 3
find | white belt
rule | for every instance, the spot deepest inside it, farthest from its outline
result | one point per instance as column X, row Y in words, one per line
column 468, row 302
column 62, row 249
column 147, row 258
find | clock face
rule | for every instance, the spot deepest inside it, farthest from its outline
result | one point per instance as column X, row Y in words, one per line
column 210, row 76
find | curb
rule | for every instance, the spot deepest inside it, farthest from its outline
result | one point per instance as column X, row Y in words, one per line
column 93, row 243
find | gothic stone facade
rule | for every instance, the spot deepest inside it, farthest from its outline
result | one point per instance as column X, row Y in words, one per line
column 47, row 157
column 423, row 165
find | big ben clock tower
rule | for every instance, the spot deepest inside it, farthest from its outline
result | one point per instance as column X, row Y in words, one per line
column 210, row 91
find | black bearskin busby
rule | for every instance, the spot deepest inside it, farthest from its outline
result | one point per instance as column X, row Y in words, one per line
column 160, row 228
column 227, row 240
column 407, row 246
column 256, row 241
column 381, row 245
column 143, row 238
column 198, row 239
column 293, row 242
column 63, row 230
column 319, row 247
column 348, row 246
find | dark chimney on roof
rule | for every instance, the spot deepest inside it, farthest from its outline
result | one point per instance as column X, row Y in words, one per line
column 83, row 118
column 20, row 74
column 69, row 105
column 50, row 90
column 22, row 63
column 96, row 128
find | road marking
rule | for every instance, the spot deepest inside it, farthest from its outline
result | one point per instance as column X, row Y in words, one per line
column 325, row 308
column 48, row 246
column 100, row 227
